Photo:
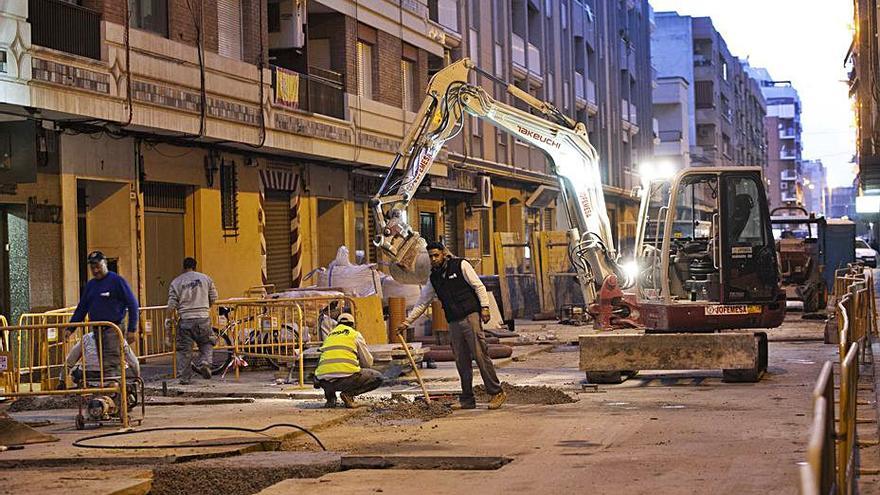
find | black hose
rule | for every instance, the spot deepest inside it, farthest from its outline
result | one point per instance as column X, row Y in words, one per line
column 80, row 443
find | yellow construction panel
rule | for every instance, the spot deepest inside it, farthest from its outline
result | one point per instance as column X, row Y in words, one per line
column 369, row 320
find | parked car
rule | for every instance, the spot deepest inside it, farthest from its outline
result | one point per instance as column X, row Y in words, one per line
column 866, row 253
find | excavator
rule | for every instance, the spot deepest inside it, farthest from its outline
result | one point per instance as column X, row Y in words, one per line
column 705, row 263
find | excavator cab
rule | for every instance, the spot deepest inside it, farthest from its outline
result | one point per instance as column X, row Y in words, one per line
column 706, row 254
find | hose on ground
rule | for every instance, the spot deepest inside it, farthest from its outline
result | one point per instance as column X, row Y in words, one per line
column 81, row 443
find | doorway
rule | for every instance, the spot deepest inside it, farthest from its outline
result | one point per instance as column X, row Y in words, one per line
column 164, row 238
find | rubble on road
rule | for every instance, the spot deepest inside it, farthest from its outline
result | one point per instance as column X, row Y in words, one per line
column 44, row 403
column 527, row 394
column 402, row 409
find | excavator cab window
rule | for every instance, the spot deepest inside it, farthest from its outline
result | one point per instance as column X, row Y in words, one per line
column 694, row 261
column 749, row 269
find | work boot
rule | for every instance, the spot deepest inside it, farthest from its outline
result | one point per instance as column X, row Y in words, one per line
column 330, row 404
column 348, row 401
column 205, row 371
column 497, row 400
column 463, row 405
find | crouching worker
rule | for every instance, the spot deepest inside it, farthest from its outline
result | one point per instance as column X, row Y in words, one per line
column 86, row 352
column 345, row 364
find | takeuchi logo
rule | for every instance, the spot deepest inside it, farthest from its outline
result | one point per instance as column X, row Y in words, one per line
column 538, row 137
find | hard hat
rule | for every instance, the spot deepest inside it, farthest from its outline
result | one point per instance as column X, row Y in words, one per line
column 346, row 318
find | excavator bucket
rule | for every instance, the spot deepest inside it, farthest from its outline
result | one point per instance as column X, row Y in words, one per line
column 14, row 433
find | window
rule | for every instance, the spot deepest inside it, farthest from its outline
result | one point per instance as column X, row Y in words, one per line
column 499, row 60
column 365, row 69
column 724, row 69
column 229, row 28
column 410, row 85
column 444, row 12
column 428, row 226
column 704, row 94
column 361, row 235
column 149, row 15
column 273, row 13
column 229, row 198
column 563, row 15
column 474, row 46
column 2, row 60
column 548, row 89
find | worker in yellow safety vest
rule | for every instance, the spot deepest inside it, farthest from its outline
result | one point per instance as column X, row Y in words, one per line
column 345, row 364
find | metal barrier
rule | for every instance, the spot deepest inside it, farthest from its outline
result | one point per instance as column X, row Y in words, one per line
column 38, row 374
column 277, row 330
column 832, row 457
column 154, row 338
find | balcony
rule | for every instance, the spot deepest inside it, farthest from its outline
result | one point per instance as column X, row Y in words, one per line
column 624, row 110
column 787, row 154
column 789, row 196
column 445, row 13
column 520, row 53
column 788, row 133
column 579, row 86
column 591, row 92
column 787, row 175
column 670, row 136
column 633, row 114
column 65, row 27
column 321, row 91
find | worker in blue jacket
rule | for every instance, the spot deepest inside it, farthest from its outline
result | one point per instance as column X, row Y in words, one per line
column 107, row 297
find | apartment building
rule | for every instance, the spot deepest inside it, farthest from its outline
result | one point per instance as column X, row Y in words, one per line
column 815, row 180
column 252, row 133
column 784, row 173
column 720, row 120
column 863, row 63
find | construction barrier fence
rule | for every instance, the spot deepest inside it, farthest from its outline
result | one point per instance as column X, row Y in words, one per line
column 831, row 466
column 34, row 375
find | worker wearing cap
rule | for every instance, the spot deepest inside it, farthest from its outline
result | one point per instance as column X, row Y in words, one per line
column 191, row 295
column 107, row 297
column 466, row 306
column 345, row 364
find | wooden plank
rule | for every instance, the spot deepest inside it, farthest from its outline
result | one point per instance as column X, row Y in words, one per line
column 369, row 318
column 558, row 279
column 639, row 351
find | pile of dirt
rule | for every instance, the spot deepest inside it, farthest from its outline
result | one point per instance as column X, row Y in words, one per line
column 403, row 409
column 44, row 403
column 527, row 394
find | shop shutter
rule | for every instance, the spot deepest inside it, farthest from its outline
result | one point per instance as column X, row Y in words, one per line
column 277, row 211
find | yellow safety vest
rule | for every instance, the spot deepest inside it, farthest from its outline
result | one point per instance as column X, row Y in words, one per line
column 339, row 352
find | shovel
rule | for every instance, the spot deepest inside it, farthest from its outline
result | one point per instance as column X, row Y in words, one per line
column 414, row 367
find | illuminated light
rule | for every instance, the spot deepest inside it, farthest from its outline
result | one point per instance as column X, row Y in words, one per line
column 867, row 204
column 806, row 182
column 653, row 171
column 812, row 186
column 631, row 269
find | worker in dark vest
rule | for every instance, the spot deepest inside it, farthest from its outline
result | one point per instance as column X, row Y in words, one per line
column 466, row 305
column 345, row 363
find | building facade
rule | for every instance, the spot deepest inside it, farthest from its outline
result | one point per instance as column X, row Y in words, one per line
column 237, row 131
column 723, row 108
column 815, row 180
column 863, row 62
column 842, row 202
column 784, row 173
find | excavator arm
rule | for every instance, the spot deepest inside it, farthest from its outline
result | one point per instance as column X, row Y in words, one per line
column 574, row 162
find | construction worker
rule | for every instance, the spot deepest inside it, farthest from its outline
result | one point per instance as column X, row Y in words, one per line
column 466, row 305
column 86, row 350
column 107, row 297
column 191, row 295
column 345, row 364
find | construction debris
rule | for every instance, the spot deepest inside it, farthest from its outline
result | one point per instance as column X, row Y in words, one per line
column 402, row 409
column 44, row 403
column 527, row 394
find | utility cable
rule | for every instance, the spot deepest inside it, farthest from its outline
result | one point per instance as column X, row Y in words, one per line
column 81, row 443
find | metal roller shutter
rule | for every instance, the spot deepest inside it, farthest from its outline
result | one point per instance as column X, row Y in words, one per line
column 277, row 210
column 229, row 28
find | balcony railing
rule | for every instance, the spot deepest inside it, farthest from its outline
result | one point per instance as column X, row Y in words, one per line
column 633, row 114
column 591, row 92
column 788, row 175
column 65, row 27
column 624, row 110
column 787, row 133
column 787, row 154
column 520, row 52
column 579, row 86
column 321, row 91
column 670, row 136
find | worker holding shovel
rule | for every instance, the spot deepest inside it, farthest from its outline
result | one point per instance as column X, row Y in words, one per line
column 466, row 305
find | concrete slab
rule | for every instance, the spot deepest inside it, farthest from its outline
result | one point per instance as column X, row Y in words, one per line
column 91, row 481
column 259, row 414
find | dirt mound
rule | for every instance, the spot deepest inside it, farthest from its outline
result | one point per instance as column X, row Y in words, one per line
column 403, row 409
column 527, row 394
column 44, row 403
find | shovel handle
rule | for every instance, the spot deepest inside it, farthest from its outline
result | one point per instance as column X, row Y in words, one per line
column 415, row 368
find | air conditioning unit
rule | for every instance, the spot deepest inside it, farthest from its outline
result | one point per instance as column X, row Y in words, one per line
column 483, row 196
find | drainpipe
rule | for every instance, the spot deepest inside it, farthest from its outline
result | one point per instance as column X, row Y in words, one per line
column 139, row 221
